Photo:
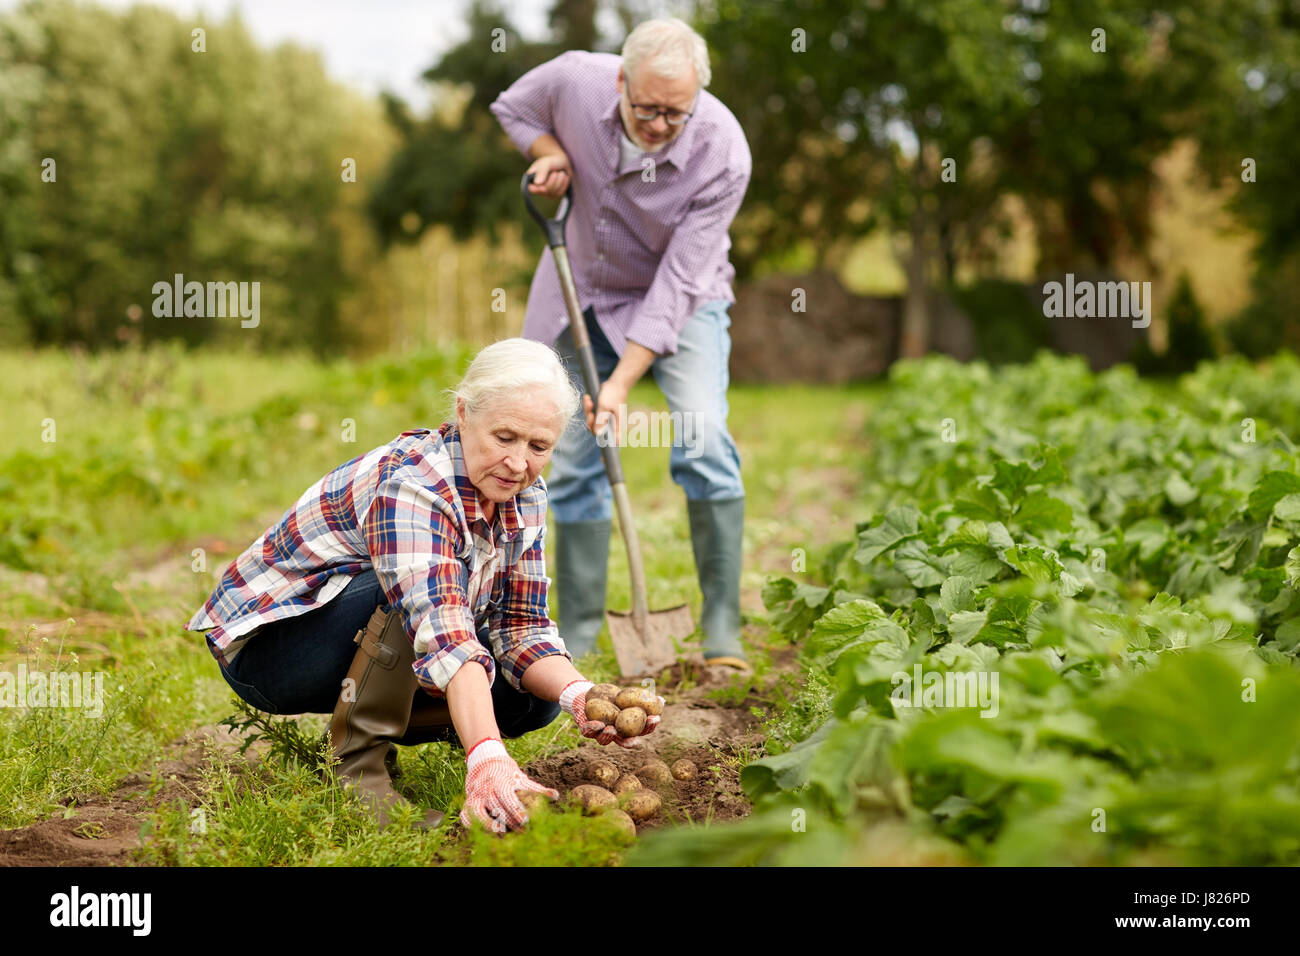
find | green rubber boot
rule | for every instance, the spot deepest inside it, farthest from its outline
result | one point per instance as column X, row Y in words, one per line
column 582, row 559
column 717, row 535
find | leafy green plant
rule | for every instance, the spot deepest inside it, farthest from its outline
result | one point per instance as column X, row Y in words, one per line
column 288, row 741
column 1117, row 561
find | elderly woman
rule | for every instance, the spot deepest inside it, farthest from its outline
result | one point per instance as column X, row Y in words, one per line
column 405, row 594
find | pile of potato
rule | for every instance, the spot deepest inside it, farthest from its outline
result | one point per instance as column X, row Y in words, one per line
column 628, row 798
column 625, row 707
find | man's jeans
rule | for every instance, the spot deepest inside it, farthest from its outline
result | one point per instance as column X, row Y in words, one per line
column 694, row 379
column 297, row 665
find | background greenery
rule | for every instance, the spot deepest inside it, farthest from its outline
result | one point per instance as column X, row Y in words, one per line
column 226, row 164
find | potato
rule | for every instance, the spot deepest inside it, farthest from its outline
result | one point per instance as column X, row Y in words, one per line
column 623, row 821
column 630, row 722
column 626, row 784
column 531, row 799
column 603, row 772
column 602, row 710
column 593, row 799
column 629, row 697
column 641, row 804
column 603, row 692
column 684, row 770
column 642, row 697
column 655, row 773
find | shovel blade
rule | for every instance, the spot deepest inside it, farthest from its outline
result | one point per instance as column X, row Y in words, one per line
column 644, row 654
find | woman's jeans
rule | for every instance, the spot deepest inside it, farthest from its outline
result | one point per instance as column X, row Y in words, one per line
column 297, row 665
column 703, row 460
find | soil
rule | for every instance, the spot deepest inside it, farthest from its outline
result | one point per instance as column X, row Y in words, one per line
column 711, row 736
column 105, row 830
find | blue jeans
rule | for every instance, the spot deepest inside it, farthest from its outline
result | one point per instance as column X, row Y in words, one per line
column 297, row 665
column 703, row 460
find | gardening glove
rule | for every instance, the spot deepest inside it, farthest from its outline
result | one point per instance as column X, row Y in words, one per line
column 491, row 780
column 573, row 701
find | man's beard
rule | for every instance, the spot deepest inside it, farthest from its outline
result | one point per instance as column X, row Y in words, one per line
column 629, row 127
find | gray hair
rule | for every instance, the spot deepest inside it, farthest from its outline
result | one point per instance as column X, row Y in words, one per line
column 503, row 368
column 666, row 47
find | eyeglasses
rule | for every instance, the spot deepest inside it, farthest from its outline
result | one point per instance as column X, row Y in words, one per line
column 646, row 113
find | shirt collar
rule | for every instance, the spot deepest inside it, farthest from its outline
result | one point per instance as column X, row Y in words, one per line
column 507, row 511
column 676, row 152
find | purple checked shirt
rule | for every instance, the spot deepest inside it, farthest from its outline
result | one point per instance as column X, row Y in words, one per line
column 645, row 254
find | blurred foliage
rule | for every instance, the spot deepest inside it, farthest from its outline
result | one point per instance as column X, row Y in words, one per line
column 1270, row 322
column 221, row 165
column 460, row 169
column 1008, row 321
column 852, row 132
column 1189, row 338
column 224, row 165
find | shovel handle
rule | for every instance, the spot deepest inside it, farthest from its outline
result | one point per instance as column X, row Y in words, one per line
column 554, row 229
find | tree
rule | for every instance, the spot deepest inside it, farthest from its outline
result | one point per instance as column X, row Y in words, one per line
column 222, row 165
column 1019, row 98
column 462, row 170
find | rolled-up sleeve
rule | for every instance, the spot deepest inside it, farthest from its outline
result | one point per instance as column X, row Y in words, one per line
column 523, row 630
column 525, row 110
column 678, row 281
column 412, row 544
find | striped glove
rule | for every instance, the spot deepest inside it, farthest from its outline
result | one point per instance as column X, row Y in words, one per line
column 491, row 780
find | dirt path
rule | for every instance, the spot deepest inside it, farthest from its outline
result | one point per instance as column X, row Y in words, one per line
column 716, row 737
column 105, row 830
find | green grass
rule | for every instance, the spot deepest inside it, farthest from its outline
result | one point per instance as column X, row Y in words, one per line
column 161, row 452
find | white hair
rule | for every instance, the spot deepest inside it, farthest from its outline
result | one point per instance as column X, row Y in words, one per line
column 666, row 47
column 503, row 368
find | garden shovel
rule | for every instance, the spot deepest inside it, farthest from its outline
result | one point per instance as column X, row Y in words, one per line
column 643, row 639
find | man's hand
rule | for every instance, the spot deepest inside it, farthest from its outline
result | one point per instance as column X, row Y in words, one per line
column 551, row 175
column 635, row 362
column 609, row 403
column 491, row 786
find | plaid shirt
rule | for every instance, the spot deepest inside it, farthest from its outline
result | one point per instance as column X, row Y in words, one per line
column 409, row 510
column 645, row 254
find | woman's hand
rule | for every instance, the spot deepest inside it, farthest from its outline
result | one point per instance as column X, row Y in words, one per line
column 491, row 782
column 573, row 701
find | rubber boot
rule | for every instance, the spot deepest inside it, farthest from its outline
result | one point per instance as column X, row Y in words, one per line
column 430, row 721
column 717, row 535
column 582, row 559
column 373, row 711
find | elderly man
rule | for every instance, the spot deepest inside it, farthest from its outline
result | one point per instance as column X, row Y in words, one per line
column 659, row 168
